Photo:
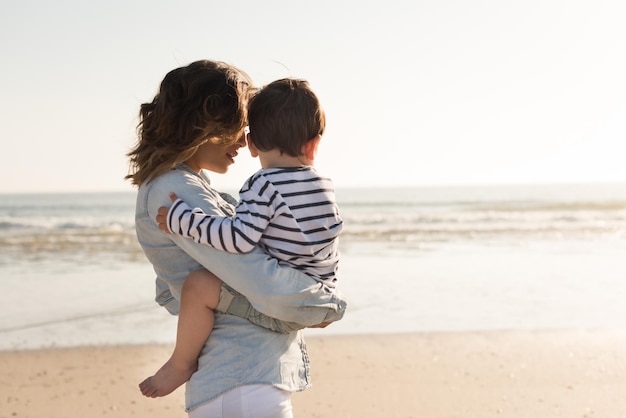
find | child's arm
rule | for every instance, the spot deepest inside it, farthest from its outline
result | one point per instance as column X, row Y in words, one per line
column 278, row 291
column 239, row 234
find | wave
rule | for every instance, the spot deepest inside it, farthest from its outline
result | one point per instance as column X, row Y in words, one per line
column 48, row 224
column 118, row 312
column 495, row 205
column 102, row 226
column 116, row 242
column 70, row 245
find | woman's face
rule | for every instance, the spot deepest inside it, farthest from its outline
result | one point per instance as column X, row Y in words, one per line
column 216, row 158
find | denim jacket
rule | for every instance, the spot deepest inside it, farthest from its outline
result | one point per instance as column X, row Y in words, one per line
column 237, row 353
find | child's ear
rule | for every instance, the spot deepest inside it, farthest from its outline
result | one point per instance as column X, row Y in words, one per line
column 254, row 152
column 309, row 149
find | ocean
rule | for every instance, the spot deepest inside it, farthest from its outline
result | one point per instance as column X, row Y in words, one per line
column 419, row 259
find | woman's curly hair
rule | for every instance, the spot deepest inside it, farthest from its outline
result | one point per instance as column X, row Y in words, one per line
column 204, row 101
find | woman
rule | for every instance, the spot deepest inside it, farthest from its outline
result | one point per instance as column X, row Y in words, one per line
column 196, row 123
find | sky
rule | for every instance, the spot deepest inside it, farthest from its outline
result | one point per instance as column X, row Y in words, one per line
column 437, row 92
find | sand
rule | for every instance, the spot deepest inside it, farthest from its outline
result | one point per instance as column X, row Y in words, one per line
column 478, row 375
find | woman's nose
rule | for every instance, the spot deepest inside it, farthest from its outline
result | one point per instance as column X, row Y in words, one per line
column 243, row 139
column 241, row 142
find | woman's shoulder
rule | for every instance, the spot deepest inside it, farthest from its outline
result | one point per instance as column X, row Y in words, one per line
column 194, row 188
column 177, row 180
column 187, row 185
column 182, row 175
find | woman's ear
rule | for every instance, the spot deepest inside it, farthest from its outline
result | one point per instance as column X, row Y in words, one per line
column 309, row 149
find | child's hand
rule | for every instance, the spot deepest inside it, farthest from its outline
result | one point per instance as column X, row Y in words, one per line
column 161, row 217
column 322, row 325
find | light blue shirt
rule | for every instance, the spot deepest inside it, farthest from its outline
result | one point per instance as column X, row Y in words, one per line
column 237, row 353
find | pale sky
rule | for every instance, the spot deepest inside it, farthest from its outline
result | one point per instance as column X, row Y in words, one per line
column 416, row 92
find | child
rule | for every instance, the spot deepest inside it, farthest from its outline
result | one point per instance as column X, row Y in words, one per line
column 286, row 208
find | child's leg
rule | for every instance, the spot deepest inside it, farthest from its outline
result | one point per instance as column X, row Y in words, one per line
column 199, row 296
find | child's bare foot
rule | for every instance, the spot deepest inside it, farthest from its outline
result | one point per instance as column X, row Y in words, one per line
column 166, row 380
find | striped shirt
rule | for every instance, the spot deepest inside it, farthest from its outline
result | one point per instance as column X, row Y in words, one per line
column 290, row 213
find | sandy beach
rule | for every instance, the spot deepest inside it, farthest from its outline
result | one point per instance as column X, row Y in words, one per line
column 479, row 375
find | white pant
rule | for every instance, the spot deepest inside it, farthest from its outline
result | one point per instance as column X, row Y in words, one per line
column 252, row 401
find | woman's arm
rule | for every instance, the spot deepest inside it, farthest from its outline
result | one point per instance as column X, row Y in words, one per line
column 280, row 292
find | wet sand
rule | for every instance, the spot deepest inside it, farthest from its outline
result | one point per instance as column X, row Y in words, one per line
column 488, row 374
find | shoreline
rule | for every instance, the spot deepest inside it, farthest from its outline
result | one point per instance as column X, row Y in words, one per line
column 434, row 374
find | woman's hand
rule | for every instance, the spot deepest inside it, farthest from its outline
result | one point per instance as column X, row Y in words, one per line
column 161, row 217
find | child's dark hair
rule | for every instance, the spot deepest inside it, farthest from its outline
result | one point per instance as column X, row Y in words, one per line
column 284, row 115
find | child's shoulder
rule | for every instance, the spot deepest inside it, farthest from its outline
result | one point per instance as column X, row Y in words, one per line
column 301, row 170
